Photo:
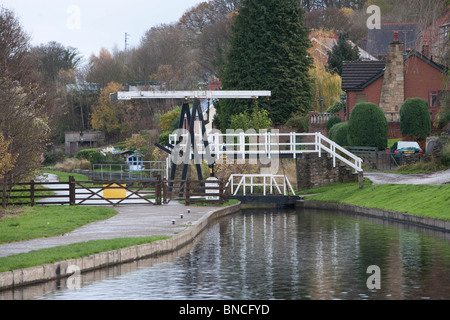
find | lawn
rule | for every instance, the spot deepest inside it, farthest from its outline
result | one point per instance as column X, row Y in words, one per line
column 64, row 176
column 73, row 251
column 432, row 201
column 37, row 222
column 23, row 223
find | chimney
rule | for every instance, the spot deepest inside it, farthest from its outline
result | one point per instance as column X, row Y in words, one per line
column 396, row 36
column 426, row 49
column 392, row 92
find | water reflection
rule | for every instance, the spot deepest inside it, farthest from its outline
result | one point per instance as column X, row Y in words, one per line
column 306, row 254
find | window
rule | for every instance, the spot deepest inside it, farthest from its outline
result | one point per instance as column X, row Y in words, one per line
column 434, row 99
column 444, row 31
column 361, row 97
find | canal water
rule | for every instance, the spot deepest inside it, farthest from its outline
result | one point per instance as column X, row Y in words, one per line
column 289, row 254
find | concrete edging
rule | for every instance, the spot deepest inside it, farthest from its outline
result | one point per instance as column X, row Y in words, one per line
column 64, row 269
column 383, row 214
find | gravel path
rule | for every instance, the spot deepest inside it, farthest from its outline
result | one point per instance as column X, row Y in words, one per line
column 441, row 177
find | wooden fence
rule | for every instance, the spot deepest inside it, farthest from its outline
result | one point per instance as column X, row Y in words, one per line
column 194, row 190
column 375, row 159
column 155, row 192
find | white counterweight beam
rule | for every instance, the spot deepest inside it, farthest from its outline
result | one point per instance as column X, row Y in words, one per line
column 217, row 94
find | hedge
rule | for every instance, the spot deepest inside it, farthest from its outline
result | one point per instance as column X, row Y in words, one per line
column 368, row 126
column 339, row 132
column 415, row 118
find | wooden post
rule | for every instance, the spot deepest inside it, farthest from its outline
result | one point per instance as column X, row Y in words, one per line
column 222, row 191
column 4, row 193
column 361, row 179
column 187, row 191
column 164, row 190
column 158, row 190
column 32, row 192
column 71, row 190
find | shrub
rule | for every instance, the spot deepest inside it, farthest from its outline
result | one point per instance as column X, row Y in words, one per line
column 415, row 118
column 336, row 107
column 163, row 138
column 73, row 164
column 94, row 156
column 339, row 132
column 299, row 121
column 53, row 157
column 368, row 126
column 332, row 121
column 258, row 119
column 445, row 154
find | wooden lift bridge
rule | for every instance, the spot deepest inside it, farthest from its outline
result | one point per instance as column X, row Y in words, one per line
column 189, row 143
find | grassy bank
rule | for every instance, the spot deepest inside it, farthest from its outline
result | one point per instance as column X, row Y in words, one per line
column 432, row 201
column 40, row 222
column 73, row 251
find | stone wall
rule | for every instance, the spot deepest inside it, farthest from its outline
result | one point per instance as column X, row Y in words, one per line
column 408, row 159
column 314, row 171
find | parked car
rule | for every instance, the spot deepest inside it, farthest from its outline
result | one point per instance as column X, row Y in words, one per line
column 405, row 147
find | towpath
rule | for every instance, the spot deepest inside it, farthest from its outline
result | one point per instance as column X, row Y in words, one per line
column 131, row 221
column 435, row 178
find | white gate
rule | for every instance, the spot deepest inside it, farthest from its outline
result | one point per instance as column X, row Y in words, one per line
column 269, row 183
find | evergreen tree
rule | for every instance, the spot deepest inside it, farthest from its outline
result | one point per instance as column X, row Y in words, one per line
column 367, row 126
column 268, row 51
column 342, row 51
column 415, row 118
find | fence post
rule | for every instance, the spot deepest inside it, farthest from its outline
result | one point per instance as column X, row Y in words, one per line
column 360, row 179
column 71, row 190
column 187, row 191
column 164, row 190
column 32, row 192
column 158, row 190
column 4, row 193
column 222, row 191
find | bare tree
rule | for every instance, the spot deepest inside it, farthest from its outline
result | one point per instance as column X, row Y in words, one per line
column 14, row 47
column 23, row 121
column 104, row 69
column 24, row 124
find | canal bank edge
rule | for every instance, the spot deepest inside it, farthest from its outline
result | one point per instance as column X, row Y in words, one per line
column 434, row 224
column 63, row 269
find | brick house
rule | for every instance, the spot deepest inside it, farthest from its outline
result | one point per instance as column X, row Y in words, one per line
column 389, row 83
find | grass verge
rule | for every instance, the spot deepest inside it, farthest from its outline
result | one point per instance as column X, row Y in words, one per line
column 39, row 222
column 73, row 251
column 64, row 176
column 432, row 201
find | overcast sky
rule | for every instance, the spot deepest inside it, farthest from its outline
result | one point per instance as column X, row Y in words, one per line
column 90, row 25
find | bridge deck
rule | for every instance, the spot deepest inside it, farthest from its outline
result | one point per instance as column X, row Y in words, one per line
column 280, row 201
column 268, row 145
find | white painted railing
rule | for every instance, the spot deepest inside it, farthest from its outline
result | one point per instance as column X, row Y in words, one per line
column 247, row 145
column 268, row 182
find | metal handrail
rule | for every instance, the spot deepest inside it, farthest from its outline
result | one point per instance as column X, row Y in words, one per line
column 244, row 144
